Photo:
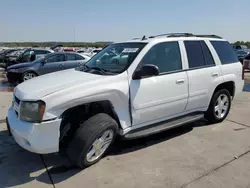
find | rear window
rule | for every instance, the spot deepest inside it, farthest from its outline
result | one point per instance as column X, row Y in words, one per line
column 225, row 52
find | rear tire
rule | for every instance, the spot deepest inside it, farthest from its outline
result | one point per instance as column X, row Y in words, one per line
column 88, row 139
column 219, row 106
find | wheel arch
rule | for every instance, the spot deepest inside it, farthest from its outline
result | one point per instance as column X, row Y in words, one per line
column 229, row 85
column 73, row 116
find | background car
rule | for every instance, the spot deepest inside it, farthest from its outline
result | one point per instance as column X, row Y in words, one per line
column 13, row 56
column 246, row 62
column 92, row 52
column 239, row 47
column 26, row 55
column 242, row 54
column 50, row 63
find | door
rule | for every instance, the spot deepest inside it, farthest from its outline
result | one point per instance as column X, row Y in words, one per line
column 203, row 74
column 52, row 63
column 71, row 61
column 158, row 98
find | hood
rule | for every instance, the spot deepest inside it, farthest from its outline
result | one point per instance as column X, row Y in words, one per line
column 20, row 65
column 44, row 85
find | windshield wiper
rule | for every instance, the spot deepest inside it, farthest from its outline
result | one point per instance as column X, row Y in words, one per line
column 98, row 69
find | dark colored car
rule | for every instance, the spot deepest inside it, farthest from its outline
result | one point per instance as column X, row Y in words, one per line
column 27, row 55
column 241, row 54
column 6, row 53
column 240, row 47
column 50, row 63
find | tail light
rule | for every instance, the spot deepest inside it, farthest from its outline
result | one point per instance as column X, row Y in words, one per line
column 243, row 70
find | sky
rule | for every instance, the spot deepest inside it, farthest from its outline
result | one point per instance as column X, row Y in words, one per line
column 118, row 20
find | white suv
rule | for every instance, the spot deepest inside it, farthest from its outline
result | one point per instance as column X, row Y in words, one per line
column 166, row 81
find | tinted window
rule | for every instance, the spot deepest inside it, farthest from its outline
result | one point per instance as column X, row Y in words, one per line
column 164, row 55
column 207, row 54
column 78, row 57
column 225, row 52
column 56, row 58
column 41, row 52
column 70, row 57
column 194, row 54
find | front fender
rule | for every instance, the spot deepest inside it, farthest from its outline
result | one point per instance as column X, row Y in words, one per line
column 116, row 94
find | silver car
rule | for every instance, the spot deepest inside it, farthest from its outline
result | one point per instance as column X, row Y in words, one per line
column 50, row 63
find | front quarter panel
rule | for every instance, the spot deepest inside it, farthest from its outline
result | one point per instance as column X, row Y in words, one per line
column 111, row 88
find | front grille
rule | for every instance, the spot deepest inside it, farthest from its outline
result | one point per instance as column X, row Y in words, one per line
column 17, row 100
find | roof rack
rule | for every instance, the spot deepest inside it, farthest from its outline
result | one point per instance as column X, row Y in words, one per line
column 172, row 35
column 209, row 36
column 185, row 35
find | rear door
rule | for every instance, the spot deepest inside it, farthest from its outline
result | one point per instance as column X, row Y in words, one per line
column 52, row 63
column 71, row 61
column 203, row 74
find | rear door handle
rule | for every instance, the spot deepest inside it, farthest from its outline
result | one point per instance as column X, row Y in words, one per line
column 180, row 81
column 215, row 74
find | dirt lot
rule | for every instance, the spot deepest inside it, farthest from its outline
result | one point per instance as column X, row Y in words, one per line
column 196, row 155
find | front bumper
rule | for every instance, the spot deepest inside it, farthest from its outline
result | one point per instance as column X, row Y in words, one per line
column 41, row 138
column 14, row 77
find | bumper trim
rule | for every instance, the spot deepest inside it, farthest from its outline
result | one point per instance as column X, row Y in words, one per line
column 8, row 127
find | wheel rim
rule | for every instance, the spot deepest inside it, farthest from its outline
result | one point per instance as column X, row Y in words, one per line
column 100, row 145
column 221, row 106
column 28, row 76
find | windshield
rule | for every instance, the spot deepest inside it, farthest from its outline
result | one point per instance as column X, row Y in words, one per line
column 116, row 58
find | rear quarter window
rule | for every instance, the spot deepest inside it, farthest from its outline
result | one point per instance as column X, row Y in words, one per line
column 225, row 52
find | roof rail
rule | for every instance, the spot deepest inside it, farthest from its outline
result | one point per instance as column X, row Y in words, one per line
column 185, row 35
column 172, row 34
column 209, row 36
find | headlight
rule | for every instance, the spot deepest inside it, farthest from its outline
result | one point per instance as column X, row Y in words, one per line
column 32, row 111
column 13, row 70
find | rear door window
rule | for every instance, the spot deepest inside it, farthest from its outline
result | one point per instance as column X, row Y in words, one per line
column 194, row 54
column 71, row 57
column 56, row 58
column 207, row 54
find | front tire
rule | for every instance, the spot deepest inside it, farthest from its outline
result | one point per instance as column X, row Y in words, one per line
column 92, row 139
column 219, row 106
column 28, row 75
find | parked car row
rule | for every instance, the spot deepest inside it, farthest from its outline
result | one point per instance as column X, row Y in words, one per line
column 49, row 63
column 16, row 56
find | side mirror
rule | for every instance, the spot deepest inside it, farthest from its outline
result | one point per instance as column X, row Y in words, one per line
column 145, row 71
column 44, row 61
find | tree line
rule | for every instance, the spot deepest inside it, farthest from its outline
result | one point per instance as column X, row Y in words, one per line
column 78, row 44
column 49, row 44
column 242, row 43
